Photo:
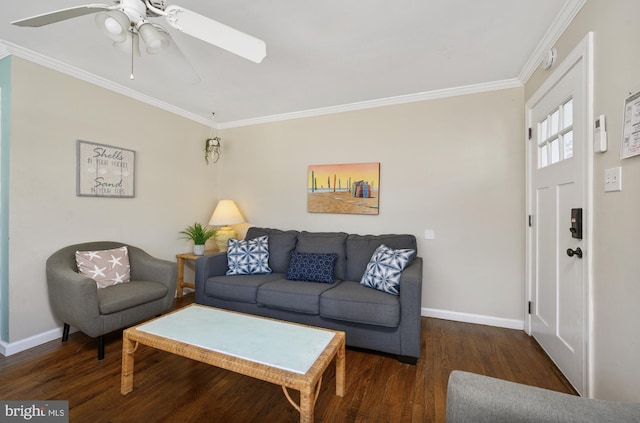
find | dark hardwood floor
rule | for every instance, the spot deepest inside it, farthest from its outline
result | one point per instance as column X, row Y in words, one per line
column 169, row 388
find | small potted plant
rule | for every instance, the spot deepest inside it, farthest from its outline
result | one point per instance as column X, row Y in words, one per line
column 212, row 149
column 199, row 235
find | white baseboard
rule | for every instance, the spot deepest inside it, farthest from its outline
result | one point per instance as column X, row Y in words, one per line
column 473, row 318
column 8, row 349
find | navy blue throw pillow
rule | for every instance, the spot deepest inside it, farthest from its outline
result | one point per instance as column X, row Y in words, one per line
column 312, row 267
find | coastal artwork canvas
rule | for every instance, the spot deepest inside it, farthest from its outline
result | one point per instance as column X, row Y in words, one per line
column 344, row 188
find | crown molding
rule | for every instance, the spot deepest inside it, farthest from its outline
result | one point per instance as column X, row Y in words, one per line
column 557, row 28
column 4, row 51
column 562, row 21
column 7, row 48
column 382, row 102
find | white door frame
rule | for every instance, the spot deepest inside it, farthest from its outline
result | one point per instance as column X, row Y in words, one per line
column 583, row 51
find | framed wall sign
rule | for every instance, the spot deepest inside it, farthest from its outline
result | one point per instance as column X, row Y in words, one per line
column 105, row 170
column 631, row 127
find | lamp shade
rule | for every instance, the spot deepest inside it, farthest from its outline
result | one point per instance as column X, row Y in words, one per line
column 226, row 213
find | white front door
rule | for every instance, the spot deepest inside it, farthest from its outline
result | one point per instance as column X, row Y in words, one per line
column 559, row 118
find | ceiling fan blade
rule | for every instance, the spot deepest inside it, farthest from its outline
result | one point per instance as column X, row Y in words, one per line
column 215, row 33
column 172, row 53
column 61, row 15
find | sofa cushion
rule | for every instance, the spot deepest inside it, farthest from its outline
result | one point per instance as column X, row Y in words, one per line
column 384, row 269
column 312, row 267
column 281, row 244
column 352, row 302
column 242, row 288
column 115, row 298
column 248, row 257
column 106, row 267
column 325, row 242
column 360, row 248
column 301, row 297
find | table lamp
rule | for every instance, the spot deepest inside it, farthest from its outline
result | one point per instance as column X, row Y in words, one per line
column 225, row 214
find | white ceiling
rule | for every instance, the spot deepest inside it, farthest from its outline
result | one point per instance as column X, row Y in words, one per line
column 320, row 54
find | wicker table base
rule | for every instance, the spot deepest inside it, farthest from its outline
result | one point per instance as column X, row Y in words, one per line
column 308, row 384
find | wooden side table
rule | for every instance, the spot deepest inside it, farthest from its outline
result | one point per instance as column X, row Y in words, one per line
column 181, row 258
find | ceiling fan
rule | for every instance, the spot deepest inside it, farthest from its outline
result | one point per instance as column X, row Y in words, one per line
column 127, row 20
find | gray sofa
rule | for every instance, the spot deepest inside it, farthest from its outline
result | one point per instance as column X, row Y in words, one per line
column 370, row 318
column 473, row 398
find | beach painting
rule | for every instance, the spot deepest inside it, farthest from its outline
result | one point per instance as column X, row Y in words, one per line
column 344, row 188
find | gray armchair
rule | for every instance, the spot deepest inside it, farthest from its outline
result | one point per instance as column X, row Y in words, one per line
column 76, row 300
column 473, row 398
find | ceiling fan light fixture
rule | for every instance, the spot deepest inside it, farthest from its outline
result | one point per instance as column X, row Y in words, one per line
column 154, row 40
column 126, row 45
column 114, row 24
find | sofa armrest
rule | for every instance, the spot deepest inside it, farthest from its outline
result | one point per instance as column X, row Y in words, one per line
column 411, row 308
column 73, row 296
column 206, row 267
column 145, row 267
column 478, row 399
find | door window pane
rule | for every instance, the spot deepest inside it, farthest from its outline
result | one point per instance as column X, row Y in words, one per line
column 555, row 151
column 555, row 120
column 567, row 144
column 542, row 156
column 567, row 115
column 543, row 130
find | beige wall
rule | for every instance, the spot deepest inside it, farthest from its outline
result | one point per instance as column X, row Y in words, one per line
column 49, row 112
column 616, row 235
column 453, row 165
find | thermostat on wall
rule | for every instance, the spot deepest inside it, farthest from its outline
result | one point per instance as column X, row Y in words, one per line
column 600, row 135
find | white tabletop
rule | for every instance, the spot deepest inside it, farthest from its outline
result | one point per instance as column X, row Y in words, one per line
column 273, row 343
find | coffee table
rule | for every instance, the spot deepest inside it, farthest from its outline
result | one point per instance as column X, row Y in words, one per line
column 290, row 355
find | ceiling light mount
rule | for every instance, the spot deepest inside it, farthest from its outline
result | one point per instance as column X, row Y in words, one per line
column 549, row 58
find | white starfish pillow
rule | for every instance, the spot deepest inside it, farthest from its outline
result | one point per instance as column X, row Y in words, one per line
column 106, row 267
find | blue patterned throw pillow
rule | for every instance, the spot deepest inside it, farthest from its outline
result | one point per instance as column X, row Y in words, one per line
column 384, row 269
column 312, row 267
column 248, row 257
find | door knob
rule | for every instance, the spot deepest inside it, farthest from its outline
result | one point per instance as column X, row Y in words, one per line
column 576, row 252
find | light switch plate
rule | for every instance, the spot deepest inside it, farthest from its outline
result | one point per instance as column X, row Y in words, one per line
column 429, row 234
column 613, row 179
